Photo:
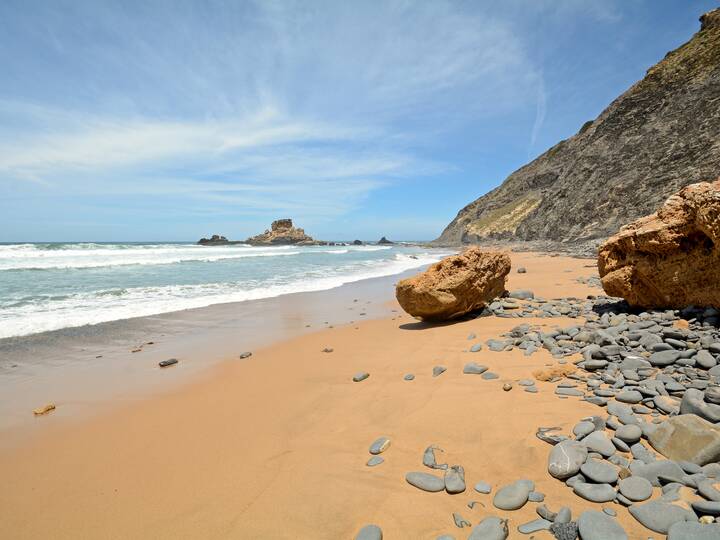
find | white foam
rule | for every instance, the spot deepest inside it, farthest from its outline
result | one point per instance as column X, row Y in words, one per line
column 109, row 305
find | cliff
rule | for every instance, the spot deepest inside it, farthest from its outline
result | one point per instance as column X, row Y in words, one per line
column 663, row 133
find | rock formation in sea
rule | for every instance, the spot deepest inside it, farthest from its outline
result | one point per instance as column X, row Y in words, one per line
column 214, row 240
column 455, row 286
column 660, row 135
column 669, row 259
column 282, row 232
column 384, row 240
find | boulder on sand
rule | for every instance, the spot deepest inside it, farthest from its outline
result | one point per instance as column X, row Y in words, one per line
column 669, row 259
column 455, row 286
column 687, row 437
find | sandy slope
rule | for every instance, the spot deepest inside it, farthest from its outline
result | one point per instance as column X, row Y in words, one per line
column 275, row 446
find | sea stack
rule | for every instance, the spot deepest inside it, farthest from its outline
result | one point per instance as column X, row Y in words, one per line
column 282, row 233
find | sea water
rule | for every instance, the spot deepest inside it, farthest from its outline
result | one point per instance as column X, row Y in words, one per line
column 51, row 286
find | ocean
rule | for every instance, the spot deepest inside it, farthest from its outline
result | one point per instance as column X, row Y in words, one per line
column 51, row 286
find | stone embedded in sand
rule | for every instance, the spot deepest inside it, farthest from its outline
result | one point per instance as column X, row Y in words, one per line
column 438, row 370
column 246, row 354
column 359, row 377
column 455, row 286
column 669, row 259
column 490, row 528
column 534, row 526
column 369, row 532
column 687, row 437
column 375, row 460
column 594, row 525
column 473, row 368
column 409, row 377
column 168, row 362
column 513, row 496
column 483, row 487
column 44, row 409
column 455, row 479
column 425, row 481
column 379, row 445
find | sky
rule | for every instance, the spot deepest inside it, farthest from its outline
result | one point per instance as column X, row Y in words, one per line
column 172, row 120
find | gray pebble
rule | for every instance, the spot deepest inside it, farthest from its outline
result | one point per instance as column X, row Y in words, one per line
column 659, row 516
column 636, row 488
column 429, row 458
column 375, row 460
column 455, row 479
column 535, row 526
column 566, row 458
column 483, row 487
column 609, row 511
column 594, row 525
column 369, row 532
column 438, row 370
column 564, row 515
column 379, row 445
column 425, row 481
column 599, row 472
column 490, row 528
column 473, row 368
column 409, row 377
column 512, row 496
column 687, row 530
column 358, row 377
column 476, row 348
column 594, row 492
column 536, row 496
column 489, row 375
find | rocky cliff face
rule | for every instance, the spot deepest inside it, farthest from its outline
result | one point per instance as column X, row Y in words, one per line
column 282, row 232
column 660, row 135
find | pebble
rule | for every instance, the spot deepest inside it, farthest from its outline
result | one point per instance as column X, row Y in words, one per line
column 512, row 496
column 44, row 409
column 473, row 368
column 594, row 492
column 629, row 433
column 455, row 479
column 507, row 386
column 535, row 526
column 659, row 516
column 706, row 508
column 536, row 496
column 629, row 396
column 687, row 530
column 489, row 375
column 375, row 460
column 483, row 487
column 425, row 481
column 599, row 442
column 566, row 458
column 379, row 445
column 594, row 525
column 521, row 270
column 246, row 354
column 476, row 348
column 635, row 488
column 327, row 350
column 599, row 472
column 564, row 515
column 429, row 458
column 409, row 377
column 609, row 511
column 545, row 513
column 358, row 377
column 438, row 370
column 369, row 532
column 490, row 528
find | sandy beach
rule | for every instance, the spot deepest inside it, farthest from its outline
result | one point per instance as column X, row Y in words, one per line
column 275, row 446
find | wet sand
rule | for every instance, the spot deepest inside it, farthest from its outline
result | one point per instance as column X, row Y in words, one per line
column 275, row 446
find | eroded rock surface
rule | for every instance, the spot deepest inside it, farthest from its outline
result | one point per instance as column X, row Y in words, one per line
column 455, row 286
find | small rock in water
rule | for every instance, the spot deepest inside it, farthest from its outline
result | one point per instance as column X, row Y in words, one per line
column 438, row 370
column 168, row 362
column 358, row 377
column 44, row 409
column 483, row 487
column 375, row 460
column 246, row 354
column 490, row 528
column 379, row 445
column 455, row 479
column 369, row 532
column 409, row 377
column 425, row 481
column 473, row 368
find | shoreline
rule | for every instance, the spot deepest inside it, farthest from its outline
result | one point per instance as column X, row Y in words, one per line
column 275, row 446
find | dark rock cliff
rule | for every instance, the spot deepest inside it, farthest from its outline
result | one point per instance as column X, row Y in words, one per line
column 660, row 135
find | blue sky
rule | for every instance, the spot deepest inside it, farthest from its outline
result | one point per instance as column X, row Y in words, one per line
column 156, row 120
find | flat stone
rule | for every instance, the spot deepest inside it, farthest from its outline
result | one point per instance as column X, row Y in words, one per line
column 687, row 437
column 658, row 516
column 473, row 368
column 425, row 481
column 569, row 392
column 594, row 525
column 688, row 530
column 358, row 377
column 609, row 511
column 566, row 458
column 705, row 360
column 489, row 375
column 379, row 445
column 629, row 433
column 535, row 526
column 521, row 294
column 476, row 348
column 636, row 488
column 374, row 461
column 599, row 442
column 512, row 496
column 536, row 496
column 663, row 358
column 594, row 492
column 667, row 404
column 369, row 532
column 657, row 469
column 564, row 515
column 409, row 377
column 455, row 479
column 490, row 528
column 582, row 429
column 483, row 487
column 710, row 489
column 545, row 513
column 629, row 396
column 599, row 472
column 438, row 370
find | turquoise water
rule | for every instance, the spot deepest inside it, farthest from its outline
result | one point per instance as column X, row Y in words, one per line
column 52, row 286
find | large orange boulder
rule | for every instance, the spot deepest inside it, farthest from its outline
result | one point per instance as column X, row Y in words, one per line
column 454, row 286
column 669, row 259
